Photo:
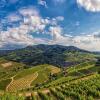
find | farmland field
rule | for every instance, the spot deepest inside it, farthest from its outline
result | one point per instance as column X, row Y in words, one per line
column 28, row 77
column 22, row 82
column 48, row 81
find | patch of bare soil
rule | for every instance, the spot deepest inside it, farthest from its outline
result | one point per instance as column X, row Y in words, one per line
column 46, row 91
column 6, row 65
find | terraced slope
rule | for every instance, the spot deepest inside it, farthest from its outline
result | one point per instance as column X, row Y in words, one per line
column 31, row 77
column 73, row 73
column 47, row 82
column 86, row 88
column 7, row 70
column 22, row 83
column 39, row 76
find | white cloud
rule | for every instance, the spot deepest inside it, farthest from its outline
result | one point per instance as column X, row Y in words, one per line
column 90, row 5
column 31, row 22
column 60, row 18
column 56, row 32
column 43, row 3
column 30, row 11
column 15, row 36
column 20, row 35
column 13, row 18
column 58, row 37
column 88, row 42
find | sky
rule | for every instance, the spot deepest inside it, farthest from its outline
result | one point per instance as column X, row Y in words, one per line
column 63, row 22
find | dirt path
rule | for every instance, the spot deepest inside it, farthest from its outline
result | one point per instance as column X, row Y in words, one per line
column 12, row 79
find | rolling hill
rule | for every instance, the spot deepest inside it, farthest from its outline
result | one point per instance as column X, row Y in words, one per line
column 56, row 55
column 14, row 76
column 46, row 82
column 49, row 72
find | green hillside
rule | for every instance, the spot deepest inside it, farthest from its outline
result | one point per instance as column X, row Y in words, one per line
column 65, row 74
column 56, row 55
column 49, row 82
column 75, row 83
column 16, row 76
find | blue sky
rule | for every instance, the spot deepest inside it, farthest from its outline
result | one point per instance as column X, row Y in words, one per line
column 64, row 22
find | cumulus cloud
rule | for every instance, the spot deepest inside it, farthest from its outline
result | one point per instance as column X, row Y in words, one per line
column 31, row 23
column 90, row 5
column 18, row 36
column 56, row 32
column 88, row 42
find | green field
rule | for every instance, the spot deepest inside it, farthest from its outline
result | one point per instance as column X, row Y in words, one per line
column 4, row 83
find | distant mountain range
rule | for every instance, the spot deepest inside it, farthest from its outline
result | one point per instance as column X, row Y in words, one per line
column 57, row 55
column 40, row 46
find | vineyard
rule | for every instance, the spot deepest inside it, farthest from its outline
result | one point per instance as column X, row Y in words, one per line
column 47, row 82
column 85, row 88
column 79, row 90
column 22, row 82
column 27, row 78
